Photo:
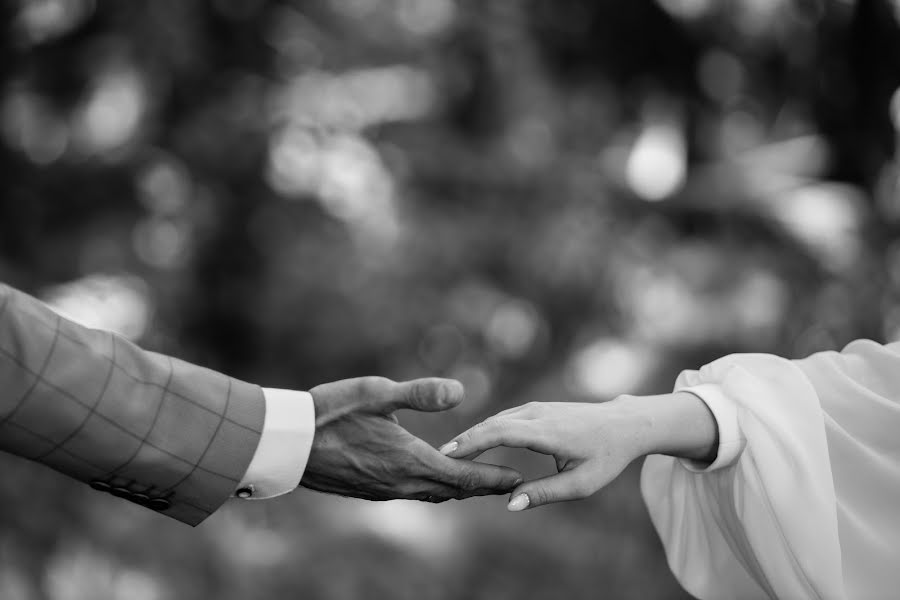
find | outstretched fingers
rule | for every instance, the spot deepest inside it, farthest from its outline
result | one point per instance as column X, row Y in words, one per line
column 495, row 432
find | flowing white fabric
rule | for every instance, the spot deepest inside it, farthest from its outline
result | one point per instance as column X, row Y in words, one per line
column 803, row 500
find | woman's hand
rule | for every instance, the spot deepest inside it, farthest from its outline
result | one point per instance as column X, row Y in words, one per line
column 592, row 443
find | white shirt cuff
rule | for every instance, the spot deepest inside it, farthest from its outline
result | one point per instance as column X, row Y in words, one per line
column 284, row 446
column 724, row 410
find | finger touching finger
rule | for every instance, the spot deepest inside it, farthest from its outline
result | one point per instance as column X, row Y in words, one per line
column 562, row 487
column 477, row 479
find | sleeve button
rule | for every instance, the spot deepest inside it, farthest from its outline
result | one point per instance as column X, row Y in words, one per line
column 121, row 492
column 100, row 486
column 159, row 504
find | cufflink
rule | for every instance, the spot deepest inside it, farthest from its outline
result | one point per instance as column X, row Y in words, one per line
column 245, row 492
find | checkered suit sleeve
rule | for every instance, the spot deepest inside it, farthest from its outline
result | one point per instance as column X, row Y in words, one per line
column 149, row 428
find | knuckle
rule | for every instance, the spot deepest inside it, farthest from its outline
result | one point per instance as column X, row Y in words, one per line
column 483, row 429
column 534, row 407
column 465, row 439
column 538, row 496
column 483, row 424
column 535, row 429
column 581, row 488
column 498, row 425
column 469, row 480
column 420, row 390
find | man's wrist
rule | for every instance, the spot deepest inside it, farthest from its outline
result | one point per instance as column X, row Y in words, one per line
column 283, row 448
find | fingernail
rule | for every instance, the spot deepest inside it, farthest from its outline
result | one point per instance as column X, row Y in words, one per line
column 449, row 447
column 518, row 503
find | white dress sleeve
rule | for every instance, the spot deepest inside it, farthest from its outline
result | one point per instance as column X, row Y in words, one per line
column 803, row 499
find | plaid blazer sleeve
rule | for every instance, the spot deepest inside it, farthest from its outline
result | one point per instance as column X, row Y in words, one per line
column 163, row 433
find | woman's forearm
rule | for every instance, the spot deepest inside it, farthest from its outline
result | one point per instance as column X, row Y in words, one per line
column 678, row 424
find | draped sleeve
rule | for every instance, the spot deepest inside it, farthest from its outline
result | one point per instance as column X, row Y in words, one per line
column 803, row 498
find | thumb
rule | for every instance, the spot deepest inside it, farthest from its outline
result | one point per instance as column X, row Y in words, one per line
column 564, row 486
column 430, row 394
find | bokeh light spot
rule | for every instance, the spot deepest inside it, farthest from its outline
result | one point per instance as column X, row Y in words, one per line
column 117, row 303
column 609, row 366
column 112, row 113
column 513, row 328
column 40, row 21
column 826, row 216
column 657, row 165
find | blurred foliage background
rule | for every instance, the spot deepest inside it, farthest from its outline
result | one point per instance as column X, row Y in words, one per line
column 559, row 200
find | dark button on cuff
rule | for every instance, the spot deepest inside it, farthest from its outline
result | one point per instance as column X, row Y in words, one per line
column 136, row 497
column 120, row 492
column 158, row 504
column 100, row 486
column 245, row 492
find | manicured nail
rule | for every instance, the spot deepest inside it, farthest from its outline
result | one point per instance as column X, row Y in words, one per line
column 518, row 503
column 449, row 447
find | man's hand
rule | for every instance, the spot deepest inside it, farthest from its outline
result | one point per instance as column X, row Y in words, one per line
column 360, row 450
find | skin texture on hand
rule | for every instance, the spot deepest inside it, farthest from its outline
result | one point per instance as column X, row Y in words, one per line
column 591, row 443
column 360, row 450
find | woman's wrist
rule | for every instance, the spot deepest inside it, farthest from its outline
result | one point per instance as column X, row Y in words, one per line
column 677, row 424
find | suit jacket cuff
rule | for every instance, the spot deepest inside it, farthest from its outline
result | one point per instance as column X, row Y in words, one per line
column 284, row 446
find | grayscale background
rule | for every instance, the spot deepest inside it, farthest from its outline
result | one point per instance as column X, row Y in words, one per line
column 548, row 200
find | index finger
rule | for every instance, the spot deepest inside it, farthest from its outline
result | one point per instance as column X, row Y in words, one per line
column 495, row 432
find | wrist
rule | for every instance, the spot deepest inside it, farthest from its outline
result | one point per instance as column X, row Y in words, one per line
column 678, row 424
column 328, row 407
